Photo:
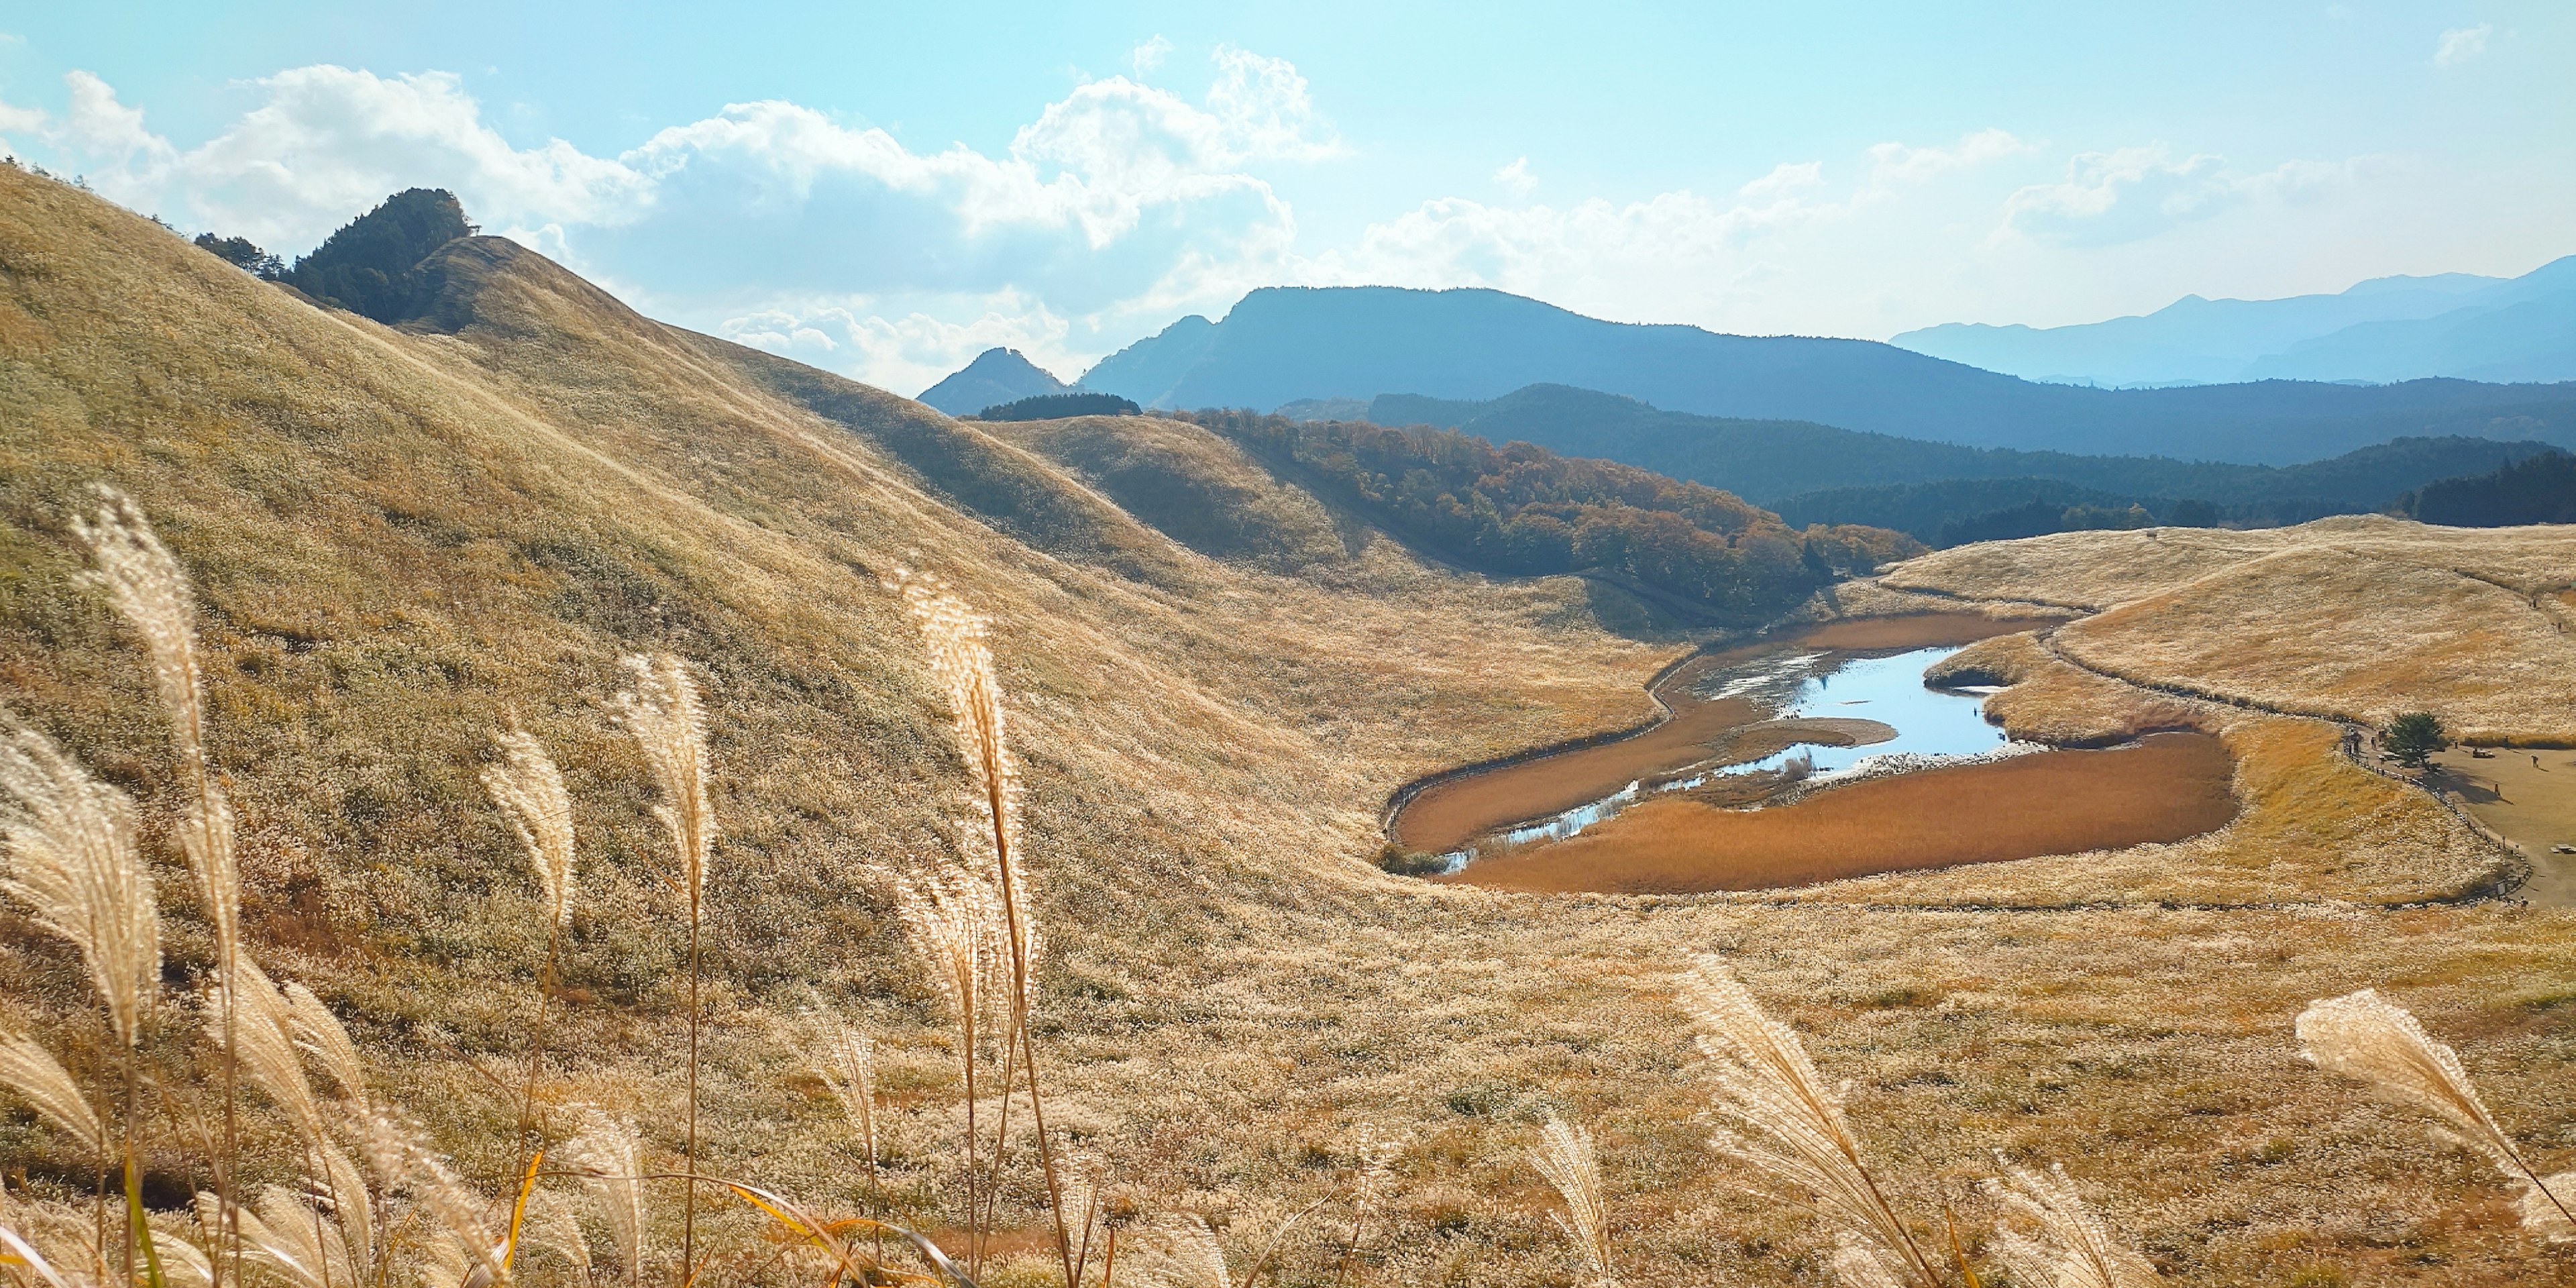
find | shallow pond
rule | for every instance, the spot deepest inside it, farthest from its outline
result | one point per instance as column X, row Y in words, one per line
column 1890, row 690
column 1931, row 725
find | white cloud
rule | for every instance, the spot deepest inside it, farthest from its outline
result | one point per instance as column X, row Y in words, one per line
column 2461, row 44
column 1892, row 163
column 1785, row 179
column 2134, row 193
column 1118, row 201
column 1517, row 177
column 907, row 348
column 1148, row 57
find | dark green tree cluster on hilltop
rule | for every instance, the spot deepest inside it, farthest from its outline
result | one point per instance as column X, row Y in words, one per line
column 242, row 253
column 1524, row 510
column 366, row 267
column 1060, row 406
column 2539, row 489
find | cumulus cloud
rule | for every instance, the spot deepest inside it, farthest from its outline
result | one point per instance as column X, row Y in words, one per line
column 1148, row 57
column 1672, row 256
column 1893, row 163
column 1118, row 197
column 2461, row 44
column 2134, row 193
column 907, row 345
column 1517, row 177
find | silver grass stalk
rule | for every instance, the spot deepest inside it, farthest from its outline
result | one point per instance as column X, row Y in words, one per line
column 401, row 1162
column 1187, row 1255
column 151, row 590
column 2363, row 1035
column 264, row 1043
column 1780, row 1119
column 148, row 586
column 958, row 643
column 609, row 1154
column 29, row 1070
column 72, row 859
column 319, row 1034
column 339, row 1187
column 845, row 1059
column 283, row 1234
column 530, row 791
column 1564, row 1156
column 662, row 714
column 2073, row 1247
column 957, row 640
column 23, row 1256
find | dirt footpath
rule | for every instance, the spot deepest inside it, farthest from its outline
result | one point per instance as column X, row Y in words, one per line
column 2533, row 806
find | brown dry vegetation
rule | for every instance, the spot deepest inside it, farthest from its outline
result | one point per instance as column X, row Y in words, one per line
column 401, row 539
column 2166, row 788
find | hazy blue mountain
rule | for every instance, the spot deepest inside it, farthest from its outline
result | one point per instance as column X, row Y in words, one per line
column 2523, row 330
column 1287, row 344
column 2380, row 331
column 1821, row 474
column 1153, row 365
column 995, row 376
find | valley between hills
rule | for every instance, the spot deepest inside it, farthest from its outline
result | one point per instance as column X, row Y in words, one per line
column 405, row 540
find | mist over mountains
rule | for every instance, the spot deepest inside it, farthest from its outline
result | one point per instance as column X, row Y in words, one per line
column 1285, row 344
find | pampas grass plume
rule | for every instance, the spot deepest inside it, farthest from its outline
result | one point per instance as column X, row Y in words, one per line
column 70, row 845
column 2363, row 1035
column 609, row 1154
column 2073, row 1248
column 27, row 1069
column 1564, row 1156
column 1783, row 1121
column 662, row 714
column 530, row 791
column 151, row 590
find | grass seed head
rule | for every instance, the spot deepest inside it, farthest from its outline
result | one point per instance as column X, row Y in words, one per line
column 2365, row 1036
column 1781, row 1119
column 31, row 1072
column 663, row 716
column 2072, row 1248
column 146, row 584
column 610, row 1155
column 530, row 791
column 70, row 845
column 1564, row 1156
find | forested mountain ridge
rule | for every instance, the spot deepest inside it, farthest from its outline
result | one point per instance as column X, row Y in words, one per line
column 1816, row 473
column 1282, row 344
column 1524, row 510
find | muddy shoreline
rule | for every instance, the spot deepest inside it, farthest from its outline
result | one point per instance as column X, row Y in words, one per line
column 1446, row 811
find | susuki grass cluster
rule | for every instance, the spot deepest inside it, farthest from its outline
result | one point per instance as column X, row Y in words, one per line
column 369, row 1203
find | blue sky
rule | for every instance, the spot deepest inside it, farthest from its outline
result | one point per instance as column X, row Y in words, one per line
column 886, row 190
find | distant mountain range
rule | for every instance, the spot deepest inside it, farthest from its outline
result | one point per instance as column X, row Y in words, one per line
column 996, row 376
column 1284, row 344
column 1813, row 473
column 2383, row 330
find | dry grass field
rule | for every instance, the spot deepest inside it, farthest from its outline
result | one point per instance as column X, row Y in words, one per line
column 405, row 541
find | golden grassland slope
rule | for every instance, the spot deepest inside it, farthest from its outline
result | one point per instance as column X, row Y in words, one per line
column 404, row 540
column 2358, row 618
